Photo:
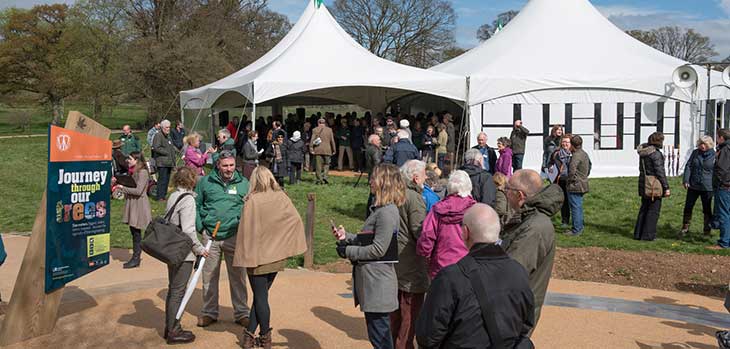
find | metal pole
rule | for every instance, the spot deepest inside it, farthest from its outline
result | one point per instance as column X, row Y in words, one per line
column 708, row 105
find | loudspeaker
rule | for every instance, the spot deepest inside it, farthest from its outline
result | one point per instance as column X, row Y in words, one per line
column 685, row 76
column 726, row 76
column 223, row 118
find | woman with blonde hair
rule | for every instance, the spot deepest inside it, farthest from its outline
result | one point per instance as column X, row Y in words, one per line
column 501, row 205
column 194, row 157
column 181, row 211
column 270, row 231
column 373, row 253
column 698, row 181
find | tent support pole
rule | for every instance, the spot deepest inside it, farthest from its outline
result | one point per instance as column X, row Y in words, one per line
column 253, row 114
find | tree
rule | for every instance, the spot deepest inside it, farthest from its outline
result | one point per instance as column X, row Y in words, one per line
column 38, row 55
column 685, row 44
column 181, row 44
column 486, row 31
column 414, row 32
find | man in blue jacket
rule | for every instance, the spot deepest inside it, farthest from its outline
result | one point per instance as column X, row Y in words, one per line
column 401, row 151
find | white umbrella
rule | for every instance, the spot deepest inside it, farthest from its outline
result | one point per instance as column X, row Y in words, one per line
column 194, row 280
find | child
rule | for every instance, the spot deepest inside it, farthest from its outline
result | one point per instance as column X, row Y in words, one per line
column 295, row 150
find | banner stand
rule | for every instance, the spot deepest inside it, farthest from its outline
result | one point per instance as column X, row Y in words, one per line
column 32, row 312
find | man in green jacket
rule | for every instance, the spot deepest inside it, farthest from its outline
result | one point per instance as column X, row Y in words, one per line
column 411, row 268
column 219, row 198
column 130, row 142
column 530, row 238
column 518, row 137
column 577, row 186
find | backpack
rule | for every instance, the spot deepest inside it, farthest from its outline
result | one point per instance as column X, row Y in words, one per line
column 165, row 241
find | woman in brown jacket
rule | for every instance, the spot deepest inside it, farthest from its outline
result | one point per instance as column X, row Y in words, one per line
column 270, row 231
column 137, row 212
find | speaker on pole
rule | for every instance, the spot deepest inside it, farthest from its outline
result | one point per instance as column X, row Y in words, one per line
column 685, row 77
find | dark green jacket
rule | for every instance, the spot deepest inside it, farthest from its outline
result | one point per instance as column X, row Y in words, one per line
column 518, row 137
column 411, row 268
column 531, row 240
column 343, row 132
column 229, row 145
column 129, row 144
column 216, row 201
column 163, row 151
column 578, row 171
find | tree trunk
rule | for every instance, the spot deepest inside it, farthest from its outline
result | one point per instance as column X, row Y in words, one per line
column 96, row 107
column 57, row 108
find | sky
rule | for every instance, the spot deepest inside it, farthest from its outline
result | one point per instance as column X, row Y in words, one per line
column 709, row 17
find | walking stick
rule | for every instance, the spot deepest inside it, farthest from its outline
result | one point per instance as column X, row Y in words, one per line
column 194, row 281
column 358, row 180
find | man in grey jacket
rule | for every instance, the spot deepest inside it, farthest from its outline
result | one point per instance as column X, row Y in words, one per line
column 411, row 268
column 518, row 137
column 163, row 151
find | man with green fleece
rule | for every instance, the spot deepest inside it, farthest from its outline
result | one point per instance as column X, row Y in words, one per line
column 219, row 198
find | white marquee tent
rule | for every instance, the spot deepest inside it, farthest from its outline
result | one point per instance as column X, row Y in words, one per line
column 562, row 62
column 317, row 61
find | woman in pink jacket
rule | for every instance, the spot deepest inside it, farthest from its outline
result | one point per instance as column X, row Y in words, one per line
column 194, row 158
column 441, row 238
column 504, row 162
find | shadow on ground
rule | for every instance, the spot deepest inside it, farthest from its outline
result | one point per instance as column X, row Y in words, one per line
column 672, row 301
column 354, row 327
column 675, row 345
column 297, row 339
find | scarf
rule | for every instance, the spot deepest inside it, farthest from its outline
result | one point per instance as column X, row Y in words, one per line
column 277, row 152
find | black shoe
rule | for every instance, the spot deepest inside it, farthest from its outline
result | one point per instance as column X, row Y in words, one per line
column 132, row 263
column 180, row 337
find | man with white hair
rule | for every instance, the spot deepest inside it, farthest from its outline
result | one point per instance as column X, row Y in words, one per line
column 163, row 152
column 411, row 268
column 484, row 300
column 482, row 187
column 531, row 240
column 401, row 151
column 405, row 125
column 489, row 162
column 225, row 143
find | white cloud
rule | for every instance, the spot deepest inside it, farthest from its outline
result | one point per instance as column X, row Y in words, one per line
column 725, row 4
column 31, row 3
column 625, row 10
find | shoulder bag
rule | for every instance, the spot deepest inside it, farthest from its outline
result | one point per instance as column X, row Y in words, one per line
column 166, row 241
column 652, row 186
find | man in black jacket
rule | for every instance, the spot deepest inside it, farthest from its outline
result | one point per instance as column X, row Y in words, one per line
column 482, row 187
column 490, row 156
column 451, row 316
column 721, row 184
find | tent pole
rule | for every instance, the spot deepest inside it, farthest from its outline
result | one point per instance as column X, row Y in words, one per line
column 465, row 115
column 253, row 114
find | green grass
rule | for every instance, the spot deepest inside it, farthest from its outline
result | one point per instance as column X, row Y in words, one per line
column 40, row 117
column 610, row 208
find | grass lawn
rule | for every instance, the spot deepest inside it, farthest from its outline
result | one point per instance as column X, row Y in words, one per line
column 40, row 117
column 610, row 208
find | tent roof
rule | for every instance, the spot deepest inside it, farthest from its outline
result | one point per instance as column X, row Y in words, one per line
column 564, row 44
column 317, row 54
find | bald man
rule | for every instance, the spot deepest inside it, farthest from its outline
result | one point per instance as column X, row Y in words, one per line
column 531, row 241
column 130, row 142
column 452, row 316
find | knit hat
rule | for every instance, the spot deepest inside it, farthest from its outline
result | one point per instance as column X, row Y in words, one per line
column 404, row 123
column 297, row 136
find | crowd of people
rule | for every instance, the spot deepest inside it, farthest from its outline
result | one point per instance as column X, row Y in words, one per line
column 447, row 257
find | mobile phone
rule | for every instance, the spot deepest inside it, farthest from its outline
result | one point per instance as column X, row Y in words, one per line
column 332, row 224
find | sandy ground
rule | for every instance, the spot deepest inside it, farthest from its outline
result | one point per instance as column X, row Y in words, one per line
column 116, row 308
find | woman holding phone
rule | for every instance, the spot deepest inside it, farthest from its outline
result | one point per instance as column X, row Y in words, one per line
column 375, row 285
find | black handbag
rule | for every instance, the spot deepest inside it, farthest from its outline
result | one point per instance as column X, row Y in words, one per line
column 166, row 241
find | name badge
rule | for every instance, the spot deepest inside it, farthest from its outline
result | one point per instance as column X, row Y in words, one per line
column 233, row 191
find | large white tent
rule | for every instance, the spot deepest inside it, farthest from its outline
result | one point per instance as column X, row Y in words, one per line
column 562, row 62
column 317, row 61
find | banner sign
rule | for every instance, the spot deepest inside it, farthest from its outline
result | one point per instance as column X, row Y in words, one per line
column 77, row 205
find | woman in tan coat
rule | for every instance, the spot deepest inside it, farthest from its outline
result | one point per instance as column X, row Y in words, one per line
column 270, row 231
column 137, row 212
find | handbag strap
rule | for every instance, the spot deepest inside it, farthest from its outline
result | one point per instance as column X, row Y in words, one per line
column 470, row 268
column 646, row 177
column 168, row 215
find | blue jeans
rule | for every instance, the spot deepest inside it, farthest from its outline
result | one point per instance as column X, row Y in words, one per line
column 722, row 212
column 576, row 210
column 379, row 330
column 517, row 161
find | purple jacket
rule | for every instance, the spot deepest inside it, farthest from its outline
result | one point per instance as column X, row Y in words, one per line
column 504, row 163
column 195, row 159
column 440, row 241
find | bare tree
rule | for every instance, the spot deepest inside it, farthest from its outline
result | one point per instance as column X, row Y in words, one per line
column 414, row 32
column 487, row 30
column 683, row 43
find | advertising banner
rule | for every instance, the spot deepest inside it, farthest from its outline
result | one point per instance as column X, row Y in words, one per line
column 78, row 204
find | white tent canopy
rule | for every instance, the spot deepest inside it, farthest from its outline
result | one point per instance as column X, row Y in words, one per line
column 566, row 45
column 562, row 62
column 317, row 59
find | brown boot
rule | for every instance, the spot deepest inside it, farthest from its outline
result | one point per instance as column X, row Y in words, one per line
column 179, row 337
column 265, row 339
column 248, row 340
